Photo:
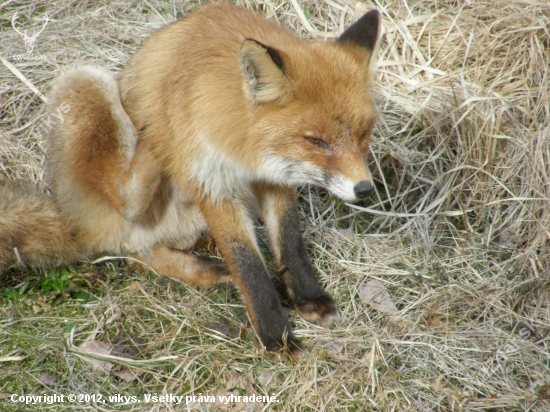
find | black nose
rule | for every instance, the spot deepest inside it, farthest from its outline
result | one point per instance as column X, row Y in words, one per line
column 363, row 189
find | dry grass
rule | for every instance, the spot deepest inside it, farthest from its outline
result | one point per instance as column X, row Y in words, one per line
column 457, row 232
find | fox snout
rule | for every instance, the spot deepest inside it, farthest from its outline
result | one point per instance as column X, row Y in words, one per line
column 363, row 189
column 351, row 181
column 347, row 190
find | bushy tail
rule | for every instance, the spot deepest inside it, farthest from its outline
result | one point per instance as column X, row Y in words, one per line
column 32, row 231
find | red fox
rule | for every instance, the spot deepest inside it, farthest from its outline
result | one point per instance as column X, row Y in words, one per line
column 209, row 126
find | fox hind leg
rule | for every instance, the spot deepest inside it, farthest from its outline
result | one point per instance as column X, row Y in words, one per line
column 192, row 269
column 95, row 145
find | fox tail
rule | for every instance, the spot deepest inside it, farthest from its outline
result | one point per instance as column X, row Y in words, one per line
column 33, row 232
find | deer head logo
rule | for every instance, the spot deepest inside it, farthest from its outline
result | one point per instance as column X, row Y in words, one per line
column 29, row 40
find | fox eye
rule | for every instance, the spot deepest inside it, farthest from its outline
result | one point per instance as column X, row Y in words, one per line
column 317, row 142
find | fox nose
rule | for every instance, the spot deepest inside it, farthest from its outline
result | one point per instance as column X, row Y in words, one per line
column 363, row 189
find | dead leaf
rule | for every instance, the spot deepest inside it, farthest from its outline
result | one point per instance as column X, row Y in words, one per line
column 267, row 378
column 125, row 374
column 190, row 303
column 376, row 295
column 241, row 381
column 218, row 327
column 48, row 380
column 125, row 351
column 97, row 348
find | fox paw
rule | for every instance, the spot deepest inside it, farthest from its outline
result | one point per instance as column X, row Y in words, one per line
column 212, row 272
column 320, row 310
column 289, row 346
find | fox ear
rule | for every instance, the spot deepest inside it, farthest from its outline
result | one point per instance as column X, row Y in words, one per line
column 364, row 32
column 263, row 70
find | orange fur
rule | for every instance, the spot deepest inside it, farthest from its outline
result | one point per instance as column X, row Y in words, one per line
column 33, row 232
column 325, row 93
column 211, row 124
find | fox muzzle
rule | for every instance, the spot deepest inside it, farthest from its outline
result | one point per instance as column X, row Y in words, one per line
column 363, row 189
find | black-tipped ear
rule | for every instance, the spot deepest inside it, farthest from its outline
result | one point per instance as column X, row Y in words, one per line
column 263, row 69
column 364, row 32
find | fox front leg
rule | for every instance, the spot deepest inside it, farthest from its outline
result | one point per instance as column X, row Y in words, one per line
column 233, row 231
column 280, row 211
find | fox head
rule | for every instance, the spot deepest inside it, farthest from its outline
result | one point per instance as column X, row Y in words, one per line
column 314, row 109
